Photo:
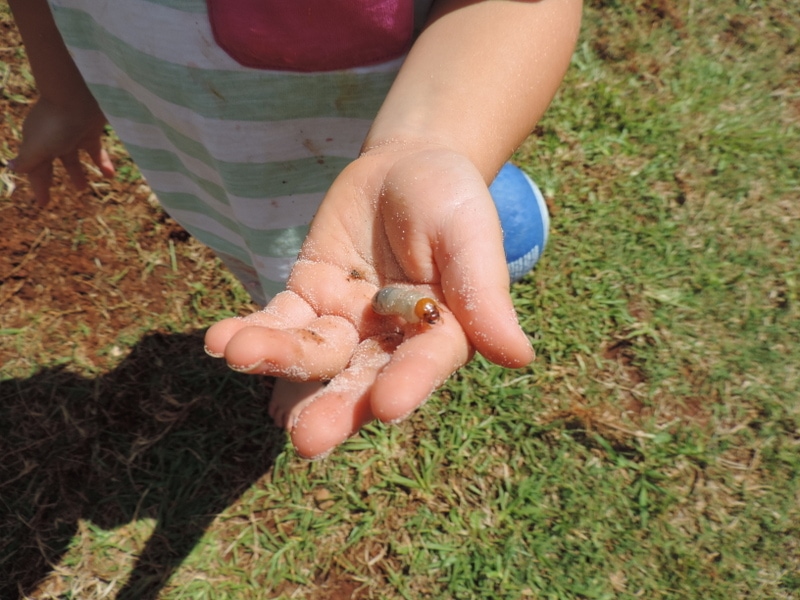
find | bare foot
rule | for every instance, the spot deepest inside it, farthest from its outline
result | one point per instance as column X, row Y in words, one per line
column 289, row 398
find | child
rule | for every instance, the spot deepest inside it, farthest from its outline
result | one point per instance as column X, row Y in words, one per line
column 382, row 119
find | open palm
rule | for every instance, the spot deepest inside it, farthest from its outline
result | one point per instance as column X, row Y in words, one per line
column 399, row 215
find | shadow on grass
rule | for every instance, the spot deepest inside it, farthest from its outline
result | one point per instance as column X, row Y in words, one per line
column 170, row 434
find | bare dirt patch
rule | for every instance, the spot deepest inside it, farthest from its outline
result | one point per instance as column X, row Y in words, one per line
column 93, row 271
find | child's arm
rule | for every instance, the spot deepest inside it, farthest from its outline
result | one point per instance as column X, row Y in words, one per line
column 414, row 209
column 66, row 117
column 57, row 78
column 480, row 76
column 475, row 83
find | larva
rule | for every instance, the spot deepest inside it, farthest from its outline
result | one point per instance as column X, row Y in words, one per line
column 411, row 305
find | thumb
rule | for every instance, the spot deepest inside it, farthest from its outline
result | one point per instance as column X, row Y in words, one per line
column 439, row 208
column 476, row 283
column 29, row 157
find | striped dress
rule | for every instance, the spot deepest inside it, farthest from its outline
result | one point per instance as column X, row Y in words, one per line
column 240, row 156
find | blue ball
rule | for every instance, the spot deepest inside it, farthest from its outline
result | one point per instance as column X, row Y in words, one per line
column 523, row 217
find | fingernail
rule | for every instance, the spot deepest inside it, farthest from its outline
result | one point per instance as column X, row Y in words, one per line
column 12, row 164
column 213, row 354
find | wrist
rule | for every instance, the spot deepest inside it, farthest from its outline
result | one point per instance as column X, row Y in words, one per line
column 414, row 136
column 402, row 143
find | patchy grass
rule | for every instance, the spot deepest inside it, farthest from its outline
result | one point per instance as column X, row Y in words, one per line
column 652, row 451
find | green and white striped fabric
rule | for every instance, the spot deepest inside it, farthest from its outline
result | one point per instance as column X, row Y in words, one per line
column 240, row 157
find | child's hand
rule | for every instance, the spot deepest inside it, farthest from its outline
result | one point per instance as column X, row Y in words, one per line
column 53, row 132
column 418, row 216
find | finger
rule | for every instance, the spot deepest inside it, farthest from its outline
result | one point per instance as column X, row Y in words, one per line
column 475, row 283
column 343, row 407
column 490, row 320
column 418, row 367
column 39, row 172
column 94, row 148
column 74, row 169
column 40, row 179
column 319, row 350
column 35, row 161
column 286, row 310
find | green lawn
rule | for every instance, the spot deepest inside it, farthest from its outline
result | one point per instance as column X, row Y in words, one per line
column 651, row 451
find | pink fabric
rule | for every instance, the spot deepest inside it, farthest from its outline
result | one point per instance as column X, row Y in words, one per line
column 312, row 35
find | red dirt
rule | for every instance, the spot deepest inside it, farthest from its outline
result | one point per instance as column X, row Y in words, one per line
column 91, row 266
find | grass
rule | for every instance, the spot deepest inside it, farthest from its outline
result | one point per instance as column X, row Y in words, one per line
column 653, row 450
